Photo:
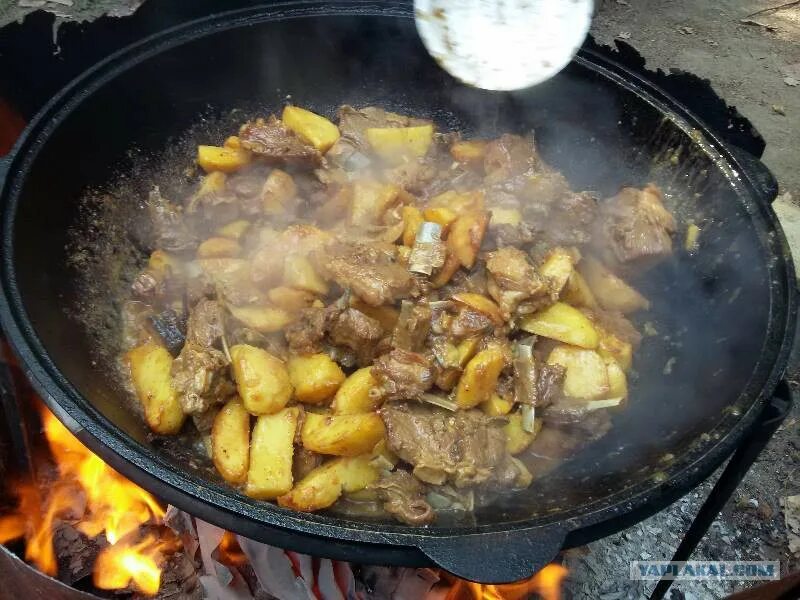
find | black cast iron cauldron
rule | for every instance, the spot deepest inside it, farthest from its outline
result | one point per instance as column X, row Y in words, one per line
column 725, row 315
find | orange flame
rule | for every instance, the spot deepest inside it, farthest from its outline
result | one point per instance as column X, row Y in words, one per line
column 102, row 501
column 546, row 583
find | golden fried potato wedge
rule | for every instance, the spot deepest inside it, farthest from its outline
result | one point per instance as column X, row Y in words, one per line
column 151, row 366
column 577, row 292
column 468, row 151
column 315, row 377
column 271, row 453
column 234, row 230
column 617, row 382
column 230, row 441
column 611, row 292
column 342, row 435
column 557, row 267
column 261, row 378
column 298, row 272
column 479, row 380
column 359, row 393
column 517, row 439
column 587, row 374
column 497, row 406
column 323, row 486
column 370, row 201
column 266, row 319
column 396, row 144
column 481, row 304
column 219, row 247
column 466, row 235
column 290, row 299
column 217, row 158
column 412, row 221
column 564, row 323
column 311, row 127
column 278, row 193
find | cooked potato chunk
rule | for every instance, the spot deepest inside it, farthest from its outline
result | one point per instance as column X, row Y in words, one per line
column 468, row 151
column 311, row 127
column 479, row 380
column 587, row 374
column 212, row 183
column 577, row 291
column 459, row 202
column 385, row 315
column 234, row 230
column 517, row 439
column 557, row 267
column 466, row 236
column 611, row 291
column 505, row 216
column 266, row 319
column 151, row 366
column 278, row 193
column 315, row 377
column 612, row 347
column 617, row 382
column 481, row 304
column 261, row 378
column 370, row 201
column 564, row 323
column 219, row 247
column 271, row 453
column 342, row 435
column 412, row 221
column 323, row 486
column 230, row 441
column 397, row 144
column 358, row 394
column 290, row 299
column 440, row 214
column 164, row 264
column 497, row 406
column 299, row 273
column 216, row 158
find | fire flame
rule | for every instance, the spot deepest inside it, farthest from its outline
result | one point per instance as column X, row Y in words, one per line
column 546, row 583
column 101, row 501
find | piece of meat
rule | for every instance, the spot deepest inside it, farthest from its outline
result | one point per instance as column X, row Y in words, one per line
column 403, row 497
column 634, row 228
column 370, row 271
column 403, row 375
column 273, row 141
column 549, row 383
column 514, row 280
column 305, row 335
column 511, row 235
column 351, row 148
column 200, row 377
column 304, row 461
column 169, row 228
column 469, row 323
column 510, row 155
column 147, row 285
column 206, row 323
column 413, row 326
column 616, row 323
column 463, row 447
column 353, row 329
column 570, row 219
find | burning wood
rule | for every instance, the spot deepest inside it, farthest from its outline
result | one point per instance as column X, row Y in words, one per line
column 92, row 521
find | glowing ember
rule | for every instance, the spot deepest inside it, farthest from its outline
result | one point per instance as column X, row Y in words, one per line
column 102, row 501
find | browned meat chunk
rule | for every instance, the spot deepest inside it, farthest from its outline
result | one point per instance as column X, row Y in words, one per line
column 305, row 335
column 412, row 326
column 513, row 281
column 510, row 155
column 463, row 447
column 536, row 383
column 350, row 149
column 304, row 461
column 199, row 375
column 273, row 141
column 403, row 375
column 634, row 228
column 353, row 329
column 206, row 323
column 571, row 218
column 402, row 496
column 170, row 231
column 468, row 323
column 369, row 271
